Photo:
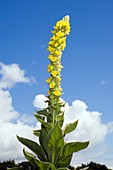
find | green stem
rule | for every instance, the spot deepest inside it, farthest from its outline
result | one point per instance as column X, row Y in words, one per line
column 53, row 120
column 53, row 156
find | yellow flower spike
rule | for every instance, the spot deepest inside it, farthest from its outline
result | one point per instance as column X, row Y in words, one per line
column 56, row 45
column 52, row 85
column 54, row 73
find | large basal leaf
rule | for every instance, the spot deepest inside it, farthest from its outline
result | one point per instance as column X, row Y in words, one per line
column 70, row 148
column 35, row 147
column 38, row 163
column 70, row 127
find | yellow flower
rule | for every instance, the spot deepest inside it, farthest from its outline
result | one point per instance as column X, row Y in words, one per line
column 54, row 38
column 60, row 66
column 63, row 45
column 56, row 44
column 50, row 67
column 60, row 34
column 54, row 73
column 62, row 40
column 51, row 42
column 48, row 92
column 66, row 18
column 48, row 80
column 62, row 26
column 58, row 53
column 58, row 25
column 58, row 78
column 52, row 58
column 57, row 92
column 52, row 84
column 50, row 49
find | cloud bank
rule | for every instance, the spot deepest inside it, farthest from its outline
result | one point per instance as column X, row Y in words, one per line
column 11, row 122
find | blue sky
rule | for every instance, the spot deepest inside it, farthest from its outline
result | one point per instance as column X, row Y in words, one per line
column 25, row 30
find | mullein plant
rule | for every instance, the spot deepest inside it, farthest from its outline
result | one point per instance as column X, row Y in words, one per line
column 52, row 152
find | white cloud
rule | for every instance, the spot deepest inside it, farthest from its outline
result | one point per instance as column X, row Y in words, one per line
column 11, row 122
column 39, row 101
column 9, row 145
column 27, row 119
column 12, row 74
column 90, row 126
column 7, row 112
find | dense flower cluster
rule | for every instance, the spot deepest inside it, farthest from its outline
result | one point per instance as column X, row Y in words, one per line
column 56, row 45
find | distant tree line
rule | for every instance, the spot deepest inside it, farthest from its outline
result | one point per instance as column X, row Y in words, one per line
column 7, row 164
column 28, row 166
column 92, row 166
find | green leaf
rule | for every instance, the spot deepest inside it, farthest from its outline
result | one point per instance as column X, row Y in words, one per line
column 35, row 147
column 42, row 112
column 37, row 132
column 60, row 119
column 46, row 124
column 39, row 117
column 43, row 134
column 38, row 163
column 70, row 127
column 15, row 168
column 53, row 136
column 45, row 113
column 64, row 161
column 53, row 143
column 70, row 148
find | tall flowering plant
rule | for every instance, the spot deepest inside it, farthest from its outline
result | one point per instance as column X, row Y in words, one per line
column 52, row 152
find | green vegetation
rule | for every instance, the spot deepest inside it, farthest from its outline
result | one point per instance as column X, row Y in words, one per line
column 28, row 166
